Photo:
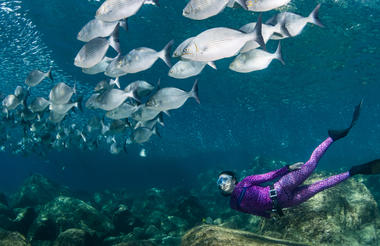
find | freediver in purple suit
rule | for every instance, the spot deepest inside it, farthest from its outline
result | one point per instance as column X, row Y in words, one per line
column 249, row 196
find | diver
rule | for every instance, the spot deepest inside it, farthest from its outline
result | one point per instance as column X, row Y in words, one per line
column 249, row 196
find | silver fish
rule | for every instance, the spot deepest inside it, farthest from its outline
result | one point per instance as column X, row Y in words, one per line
column 293, row 23
column 20, row 92
column 150, row 123
column 39, row 104
column 28, row 115
column 255, row 60
column 92, row 103
column 186, row 68
column 142, row 134
column 144, row 113
column 98, row 29
column 264, row 5
column 92, row 53
column 98, row 68
column 124, row 111
column 179, row 50
column 118, row 126
column 140, row 88
column 112, row 98
column 267, row 32
column 61, row 93
column 113, row 10
column 115, row 148
column 203, row 9
column 11, row 102
column 172, row 98
column 220, row 42
column 116, row 67
column 56, row 117
column 102, row 85
column 143, row 58
column 36, row 76
column 62, row 108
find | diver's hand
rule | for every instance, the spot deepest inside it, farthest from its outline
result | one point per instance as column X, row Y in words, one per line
column 296, row 166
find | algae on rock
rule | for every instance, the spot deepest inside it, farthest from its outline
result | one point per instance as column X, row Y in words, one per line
column 207, row 235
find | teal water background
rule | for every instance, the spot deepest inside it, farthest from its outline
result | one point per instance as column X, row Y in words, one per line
column 282, row 112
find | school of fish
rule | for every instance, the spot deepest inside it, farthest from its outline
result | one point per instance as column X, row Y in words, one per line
column 132, row 114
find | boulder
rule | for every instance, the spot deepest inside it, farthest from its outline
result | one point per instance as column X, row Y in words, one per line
column 190, row 209
column 136, row 243
column 64, row 213
column 207, row 235
column 24, row 219
column 37, row 190
column 346, row 214
column 124, row 221
column 76, row 237
column 128, row 240
column 8, row 238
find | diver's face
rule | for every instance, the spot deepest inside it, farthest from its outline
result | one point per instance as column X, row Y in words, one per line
column 226, row 183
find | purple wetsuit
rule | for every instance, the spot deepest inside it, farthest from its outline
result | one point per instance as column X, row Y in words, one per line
column 249, row 197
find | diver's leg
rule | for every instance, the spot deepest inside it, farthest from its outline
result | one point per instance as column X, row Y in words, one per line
column 303, row 193
column 293, row 179
column 290, row 181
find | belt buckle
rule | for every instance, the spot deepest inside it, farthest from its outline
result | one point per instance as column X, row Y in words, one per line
column 273, row 193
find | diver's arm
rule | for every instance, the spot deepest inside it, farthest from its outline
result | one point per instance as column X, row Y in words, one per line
column 262, row 178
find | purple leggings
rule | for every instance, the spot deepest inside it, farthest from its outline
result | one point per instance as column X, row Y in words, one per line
column 289, row 191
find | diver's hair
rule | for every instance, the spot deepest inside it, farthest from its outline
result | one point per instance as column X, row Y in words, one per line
column 232, row 174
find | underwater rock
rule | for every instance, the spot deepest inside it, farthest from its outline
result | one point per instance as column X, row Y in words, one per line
column 136, row 243
column 76, row 237
column 37, row 190
column 124, row 221
column 346, row 214
column 191, row 210
column 41, row 243
column 24, row 219
column 8, row 238
column 221, row 236
column 64, row 213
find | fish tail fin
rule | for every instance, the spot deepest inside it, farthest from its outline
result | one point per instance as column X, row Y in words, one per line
column 124, row 24
column 132, row 94
column 278, row 54
column 115, row 82
column 114, row 40
column 153, row 2
column 194, row 91
column 75, row 88
column 280, row 29
column 161, row 119
column 83, row 137
column 242, row 4
column 212, row 64
column 257, row 32
column 313, row 17
column 164, row 54
column 49, row 74
column 154, row 130
column 79, row 103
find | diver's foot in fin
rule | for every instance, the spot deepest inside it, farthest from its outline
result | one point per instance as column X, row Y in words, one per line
column 338, row 134
column 372, row 167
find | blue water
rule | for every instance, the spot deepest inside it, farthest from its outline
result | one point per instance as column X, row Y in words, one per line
column 282, row 112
